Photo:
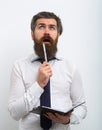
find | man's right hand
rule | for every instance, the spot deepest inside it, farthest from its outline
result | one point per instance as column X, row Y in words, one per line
column 44, row 74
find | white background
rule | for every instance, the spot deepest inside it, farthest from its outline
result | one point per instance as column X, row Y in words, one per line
column 80, row 42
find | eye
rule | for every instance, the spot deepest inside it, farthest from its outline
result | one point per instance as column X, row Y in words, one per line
column 52, row 27
column 41, row 26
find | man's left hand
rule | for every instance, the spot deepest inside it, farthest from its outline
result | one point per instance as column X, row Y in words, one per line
column 57, row 118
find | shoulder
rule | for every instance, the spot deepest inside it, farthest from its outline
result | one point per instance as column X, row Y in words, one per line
column 24, row 61
column 67, row 65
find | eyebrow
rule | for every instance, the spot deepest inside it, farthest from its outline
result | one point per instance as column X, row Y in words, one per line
column 48, row 25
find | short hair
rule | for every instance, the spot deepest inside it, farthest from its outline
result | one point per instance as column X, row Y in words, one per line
column 47, row 15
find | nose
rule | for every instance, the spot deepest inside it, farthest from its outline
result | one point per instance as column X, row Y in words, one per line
column 46, row 30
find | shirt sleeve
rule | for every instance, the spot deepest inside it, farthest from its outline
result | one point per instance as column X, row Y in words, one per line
column 22, row 101
column 77, row 96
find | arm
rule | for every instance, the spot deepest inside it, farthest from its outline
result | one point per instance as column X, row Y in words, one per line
column 22, row 101
column 77, row 96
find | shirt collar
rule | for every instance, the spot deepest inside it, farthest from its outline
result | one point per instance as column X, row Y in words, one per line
column 39, row 59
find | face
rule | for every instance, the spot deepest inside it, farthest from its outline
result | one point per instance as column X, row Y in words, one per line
column 45, row 32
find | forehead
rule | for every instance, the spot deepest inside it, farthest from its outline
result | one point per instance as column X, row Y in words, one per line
column 47, row 21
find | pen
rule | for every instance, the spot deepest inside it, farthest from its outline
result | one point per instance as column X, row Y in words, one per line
column 44, row 50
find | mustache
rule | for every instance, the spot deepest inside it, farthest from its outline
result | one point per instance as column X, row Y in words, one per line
column 46, row 38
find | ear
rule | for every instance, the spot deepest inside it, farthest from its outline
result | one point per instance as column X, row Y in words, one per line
column 32, row 35
column 58, row 34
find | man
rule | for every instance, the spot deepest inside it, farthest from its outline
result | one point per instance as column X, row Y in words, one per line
column 29, row 78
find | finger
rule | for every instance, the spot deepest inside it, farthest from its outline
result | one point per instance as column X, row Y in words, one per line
column 51, row 116
column 45, row 67
column 59, row 116
column 54, row 118
column 45, row 63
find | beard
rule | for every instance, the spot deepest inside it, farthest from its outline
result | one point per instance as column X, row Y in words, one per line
column 51, row 48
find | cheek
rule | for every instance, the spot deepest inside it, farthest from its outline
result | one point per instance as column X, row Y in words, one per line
column 38, row 34
column 54, row 34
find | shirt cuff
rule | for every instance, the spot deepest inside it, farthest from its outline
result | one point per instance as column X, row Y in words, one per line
column 36, row 89
column 74, row 119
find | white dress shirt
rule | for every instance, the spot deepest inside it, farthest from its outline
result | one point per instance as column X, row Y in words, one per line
column 25, row 92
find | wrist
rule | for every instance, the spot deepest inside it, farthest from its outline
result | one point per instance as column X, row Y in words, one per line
column 40, row 84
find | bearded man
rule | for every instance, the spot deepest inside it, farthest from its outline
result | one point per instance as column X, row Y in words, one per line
column 31, row 75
